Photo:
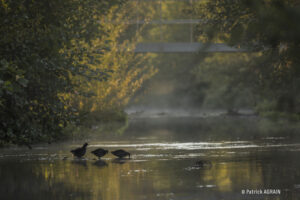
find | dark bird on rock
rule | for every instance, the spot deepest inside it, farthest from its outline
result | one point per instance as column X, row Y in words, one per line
column 79, row 152
column 121, row 153
column 99, row 152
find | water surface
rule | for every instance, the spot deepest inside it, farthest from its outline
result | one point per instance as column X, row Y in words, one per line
column 243, row 152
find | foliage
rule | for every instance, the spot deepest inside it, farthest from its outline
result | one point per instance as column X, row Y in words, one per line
column 270, row 27
column 97, row 125
column 228, row 81
column 39, row 57
column 127, row 71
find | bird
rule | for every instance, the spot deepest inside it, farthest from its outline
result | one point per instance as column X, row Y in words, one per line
column 79, row 152
column 99, row 152
column 121, row 153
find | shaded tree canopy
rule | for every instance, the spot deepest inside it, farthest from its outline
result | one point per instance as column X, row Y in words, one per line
column 39, row 52
column 269, row 27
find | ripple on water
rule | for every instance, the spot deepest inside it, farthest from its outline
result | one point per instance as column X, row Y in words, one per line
column 160, row 150
column 140, row 170
column 206, row 186
column 297, row 186
column 165, row 194
column 139, row 160
column 191, row 168
column 151, row 155
column 190, row 155
column 143, row 149
column 195, row 145
column 275, row 138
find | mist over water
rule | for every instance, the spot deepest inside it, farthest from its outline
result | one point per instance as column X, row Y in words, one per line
column 169, row 112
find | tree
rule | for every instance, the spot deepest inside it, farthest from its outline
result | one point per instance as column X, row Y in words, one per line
column 126, row 70
column 269, row 27
column 37, row 61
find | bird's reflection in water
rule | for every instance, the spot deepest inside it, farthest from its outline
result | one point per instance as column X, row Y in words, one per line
column 203, row 164
column 100, row 163
column 120, row 160
column 79, row 161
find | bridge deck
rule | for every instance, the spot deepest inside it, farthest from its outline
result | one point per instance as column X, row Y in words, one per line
column 184, row 48
column 158, row 21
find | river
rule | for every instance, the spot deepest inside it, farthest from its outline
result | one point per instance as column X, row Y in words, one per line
column 248, row 158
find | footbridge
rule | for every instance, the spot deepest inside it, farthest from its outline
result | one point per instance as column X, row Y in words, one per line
column 163, row 20
column 184, row 47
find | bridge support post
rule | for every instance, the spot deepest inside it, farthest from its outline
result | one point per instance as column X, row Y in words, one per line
column 191, row 25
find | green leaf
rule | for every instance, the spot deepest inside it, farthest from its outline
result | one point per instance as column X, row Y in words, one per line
column 23, row 82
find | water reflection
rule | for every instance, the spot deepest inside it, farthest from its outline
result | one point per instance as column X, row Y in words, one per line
column 120, row 160
column 159, row 169
column 81, row 162
column 116, row 179
column 100, row 163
